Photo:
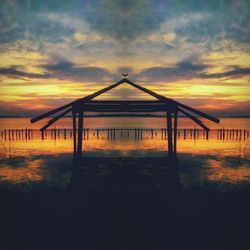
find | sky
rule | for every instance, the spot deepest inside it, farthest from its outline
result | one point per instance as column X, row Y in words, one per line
column 194, row 51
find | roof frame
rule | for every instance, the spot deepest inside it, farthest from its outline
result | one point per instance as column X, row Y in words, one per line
column 170, row 105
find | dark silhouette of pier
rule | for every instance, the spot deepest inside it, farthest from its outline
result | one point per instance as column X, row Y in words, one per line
column 170, row 107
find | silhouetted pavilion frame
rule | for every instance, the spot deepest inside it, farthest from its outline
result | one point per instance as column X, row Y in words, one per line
column 162, row 104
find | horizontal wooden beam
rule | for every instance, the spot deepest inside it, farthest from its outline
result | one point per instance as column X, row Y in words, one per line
column 122, row 105
column 125, row 102
column 145, row 110
column 125, row 115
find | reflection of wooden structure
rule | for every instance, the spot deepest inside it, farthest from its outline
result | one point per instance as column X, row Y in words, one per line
column 162, row 104
column 152, row 174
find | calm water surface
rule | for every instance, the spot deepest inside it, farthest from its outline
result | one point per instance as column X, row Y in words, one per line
column 217, row 162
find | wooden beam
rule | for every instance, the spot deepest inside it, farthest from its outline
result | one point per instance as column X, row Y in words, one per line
column 56, row 118
column 209, row 117
column 130, row 103
column 54, row 111
column 163, row 106
column 122, row 110
column 196, row 120
column 125, row 107
column 90, row 106
column 150, row 92
column 125, row 101
column 124, row 115
column 86, row 98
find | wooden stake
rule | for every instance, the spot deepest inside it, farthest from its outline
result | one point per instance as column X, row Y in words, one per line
column 169, row 127
column 175, row 132
column 80, row 128
column 74, row 129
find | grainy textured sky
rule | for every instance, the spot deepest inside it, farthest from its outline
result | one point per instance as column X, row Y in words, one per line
column 195, row 51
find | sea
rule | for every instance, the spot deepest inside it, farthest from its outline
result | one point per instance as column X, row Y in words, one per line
column 220, row 159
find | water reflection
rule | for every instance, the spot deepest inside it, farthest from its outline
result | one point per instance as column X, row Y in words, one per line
column 125, row 203
column 128, row 174
column 207, row 171
column 231, row 169
column 19, row 170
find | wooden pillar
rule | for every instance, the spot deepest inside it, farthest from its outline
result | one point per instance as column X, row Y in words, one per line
column 175, row 131
column 74, row 130
column 42, row 134
column 80, row 129
column 169, row 127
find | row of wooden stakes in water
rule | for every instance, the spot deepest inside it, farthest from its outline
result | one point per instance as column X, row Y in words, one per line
column 113, row 133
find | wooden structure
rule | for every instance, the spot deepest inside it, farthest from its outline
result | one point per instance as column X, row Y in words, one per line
column 161, row 104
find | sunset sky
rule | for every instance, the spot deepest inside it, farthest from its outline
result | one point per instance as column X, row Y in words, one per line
column 195, row 51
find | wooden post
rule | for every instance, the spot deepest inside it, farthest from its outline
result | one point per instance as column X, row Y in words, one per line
column 80, row 128
column 175, row 131
column 169, row 127
column 74, row 130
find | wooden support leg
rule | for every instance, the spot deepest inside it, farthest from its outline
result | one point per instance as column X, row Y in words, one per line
column 80, row 129
column 169, row 127
column 175, row 132
column 74, row 131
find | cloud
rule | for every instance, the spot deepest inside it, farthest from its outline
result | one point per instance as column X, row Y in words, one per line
column 118, row 19
column 224, row 20
column 15, row 73
column 24, row 20
column 63, row 69
column 187, row 70
column 59, row 66
column 126, row 19
column 236, row 72
column 182, row 70
column 123, row 19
